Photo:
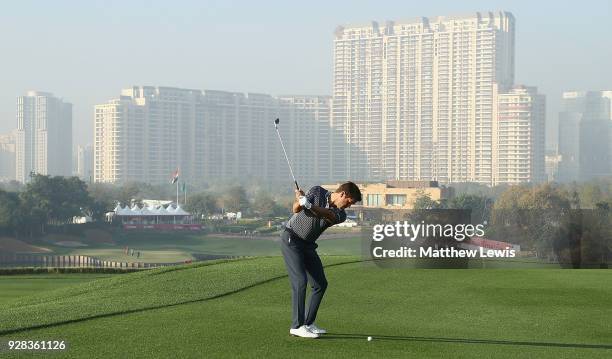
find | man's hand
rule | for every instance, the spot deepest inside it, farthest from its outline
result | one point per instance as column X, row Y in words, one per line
column 296, row 204
column 303, row 201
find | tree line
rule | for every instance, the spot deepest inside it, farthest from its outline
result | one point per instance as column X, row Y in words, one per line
column 26, row 210
column 569, row 223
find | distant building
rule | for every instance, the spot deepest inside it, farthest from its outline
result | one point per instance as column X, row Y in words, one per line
column 136, row 136
column 393, row 195
column 608, row 95
column 415, row 99
column 7, row 157
column 311, row 156
column 422, row 99
column 552, row 166
column 518, row 136
column 148, row 132
column 84, row 165
column 44, row 136
column 585, row 133
column 569, row 146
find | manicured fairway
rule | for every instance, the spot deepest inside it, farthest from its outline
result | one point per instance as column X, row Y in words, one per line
column 146, row 255
column 177, row 247
column 17, row 286
column 241, row 309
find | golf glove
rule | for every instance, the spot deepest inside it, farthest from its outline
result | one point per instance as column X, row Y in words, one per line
column 304, row 202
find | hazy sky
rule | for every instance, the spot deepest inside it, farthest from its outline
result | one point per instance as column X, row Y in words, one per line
column 86, row 51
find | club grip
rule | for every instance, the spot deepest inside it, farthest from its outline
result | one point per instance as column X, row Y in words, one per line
column 296, row 185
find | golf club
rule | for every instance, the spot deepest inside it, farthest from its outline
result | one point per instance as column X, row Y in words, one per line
column 287, row 158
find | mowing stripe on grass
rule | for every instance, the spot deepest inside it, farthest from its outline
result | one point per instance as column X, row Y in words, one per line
column 331, row 336
column 178, row 286
column 139, row 275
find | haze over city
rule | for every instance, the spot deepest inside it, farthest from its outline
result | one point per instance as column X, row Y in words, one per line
column 216, row 169
column 86, row 52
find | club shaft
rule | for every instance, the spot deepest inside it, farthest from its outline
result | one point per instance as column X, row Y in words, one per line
column 287, row 158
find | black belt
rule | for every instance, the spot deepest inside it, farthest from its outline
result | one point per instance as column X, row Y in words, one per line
column 292, row 233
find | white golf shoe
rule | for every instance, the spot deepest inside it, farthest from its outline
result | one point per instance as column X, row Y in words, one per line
column 303, row 332
column 313, row 328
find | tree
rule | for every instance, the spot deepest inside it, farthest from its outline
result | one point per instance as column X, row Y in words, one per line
column 234, row 199
column 263, row 205
column 103, row 200
column 128, row 192
column 590, row 194
column 9, row 205
column 59, row 198
column 545, row 196
column 30, row 219
column 424, row 201
column 509, row 199
column 202, row 204
column 12, row 186
column 575, row 199
column 530, row 216
column 478, row 204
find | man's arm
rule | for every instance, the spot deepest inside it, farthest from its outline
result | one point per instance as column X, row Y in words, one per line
column 320, row 212
column 324, row 213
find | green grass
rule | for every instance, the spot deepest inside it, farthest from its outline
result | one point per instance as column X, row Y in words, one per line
column 18, row 286
column 146, row 255
column 241, row 308
column 156, row 247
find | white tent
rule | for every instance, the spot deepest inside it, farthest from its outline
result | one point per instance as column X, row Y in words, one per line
column 178, row 211
column 135, row 211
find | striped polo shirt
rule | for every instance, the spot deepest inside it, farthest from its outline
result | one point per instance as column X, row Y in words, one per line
column 305, row 224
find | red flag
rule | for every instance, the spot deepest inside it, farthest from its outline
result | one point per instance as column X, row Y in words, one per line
column 175, row 176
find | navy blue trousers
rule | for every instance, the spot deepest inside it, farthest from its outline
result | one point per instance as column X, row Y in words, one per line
column 303, row 265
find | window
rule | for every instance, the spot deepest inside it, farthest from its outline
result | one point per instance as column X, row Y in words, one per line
column 396, row 199
column 374, row 200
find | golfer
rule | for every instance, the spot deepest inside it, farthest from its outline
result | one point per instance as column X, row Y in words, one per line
column 313, row 213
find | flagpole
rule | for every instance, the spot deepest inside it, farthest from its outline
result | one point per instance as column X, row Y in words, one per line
column 175, row 179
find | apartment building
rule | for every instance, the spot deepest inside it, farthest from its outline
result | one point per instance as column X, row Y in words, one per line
column 43, row 141
column 414, row 99
column 518, row 136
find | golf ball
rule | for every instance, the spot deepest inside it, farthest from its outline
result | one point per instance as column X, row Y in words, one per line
column 369, row 339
